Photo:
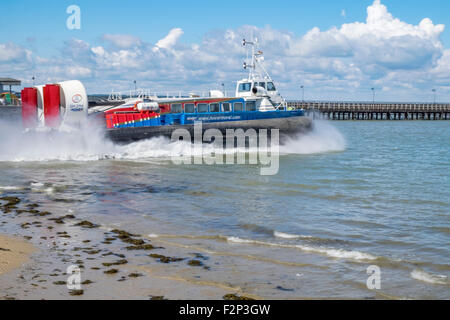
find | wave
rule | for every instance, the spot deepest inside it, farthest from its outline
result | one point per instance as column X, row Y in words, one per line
column 428, row 277
column 330, row 252
column 334, row 253
column 152, row 235
column 266, row 231
column 282, row 235
column 34, row 187
column 10, row 188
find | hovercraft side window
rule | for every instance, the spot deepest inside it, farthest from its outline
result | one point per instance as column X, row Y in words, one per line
column 238, row 106
column 226, row 107
column 176, row 108
column 271, row 86
column 214, row 107
column 189, row 108
column 250, row 106
column 245, row 87
column 202, row 108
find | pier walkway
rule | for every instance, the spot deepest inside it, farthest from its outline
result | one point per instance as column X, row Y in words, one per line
column 373, row 111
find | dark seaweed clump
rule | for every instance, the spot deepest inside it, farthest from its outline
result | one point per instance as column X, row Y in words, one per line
column 87, row 224
column 157, row 298
column 195, row 263
column 11, row 203
column 111, row 271
column 135, row 275
column 127, row 237
column 117, row 263
column 76, row 292
column 233, row 296
column 165, row 259
column 146, row 246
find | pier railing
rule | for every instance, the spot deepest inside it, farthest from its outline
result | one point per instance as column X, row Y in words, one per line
column 147, row 94
column 373, row 111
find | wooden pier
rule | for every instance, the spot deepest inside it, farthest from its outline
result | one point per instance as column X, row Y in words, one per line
column 373, row 111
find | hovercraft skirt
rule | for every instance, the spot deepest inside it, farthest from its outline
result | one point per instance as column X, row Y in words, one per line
column 286, row 126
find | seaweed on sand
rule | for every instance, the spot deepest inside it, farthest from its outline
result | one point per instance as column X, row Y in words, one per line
column 165, row 259
column 195, row 263
column 76, row 292
column 11, row 203
column 117, row 263
column 111, row 271
column 87, row 224
column 141, row 247
column 135, row 275
column 233, row 296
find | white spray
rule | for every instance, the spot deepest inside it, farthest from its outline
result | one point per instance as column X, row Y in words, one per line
column 89, row 144
column 323, row 138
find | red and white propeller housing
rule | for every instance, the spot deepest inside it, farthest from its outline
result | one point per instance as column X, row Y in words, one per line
column 58, row 106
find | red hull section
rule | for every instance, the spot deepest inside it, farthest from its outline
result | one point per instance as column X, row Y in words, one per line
column 124, row 116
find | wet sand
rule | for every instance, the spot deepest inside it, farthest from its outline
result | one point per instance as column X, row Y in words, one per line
column 13, row 253
column 113, row 263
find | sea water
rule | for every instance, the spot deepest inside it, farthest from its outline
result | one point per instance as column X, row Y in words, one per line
column 348, row 195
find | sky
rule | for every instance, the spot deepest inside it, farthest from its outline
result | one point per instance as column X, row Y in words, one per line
column 337, row 50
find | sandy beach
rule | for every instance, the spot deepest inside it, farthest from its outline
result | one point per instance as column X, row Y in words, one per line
column 13, row 253
column 112, row 263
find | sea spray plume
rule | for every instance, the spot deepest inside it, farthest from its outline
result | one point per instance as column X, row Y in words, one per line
column 89, row 144
column 82, row 144
column 158, row 147
column 323, row 138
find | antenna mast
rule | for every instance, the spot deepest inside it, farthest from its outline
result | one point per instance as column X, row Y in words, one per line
column 256, row 56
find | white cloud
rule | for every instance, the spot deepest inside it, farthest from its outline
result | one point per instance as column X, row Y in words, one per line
column 121, row 59
column 10, row 52
column 170, row 40
column 122, row 41
column 78, row 71
column 380, row 44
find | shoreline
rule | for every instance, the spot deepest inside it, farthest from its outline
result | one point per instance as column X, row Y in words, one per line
column 123, row 264
column 113, row 264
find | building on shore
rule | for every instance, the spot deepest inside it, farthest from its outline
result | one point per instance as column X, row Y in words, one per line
column 8, row 98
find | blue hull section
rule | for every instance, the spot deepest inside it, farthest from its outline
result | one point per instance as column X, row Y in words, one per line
column 287, row 122
column 210, row 117
column 213, row 117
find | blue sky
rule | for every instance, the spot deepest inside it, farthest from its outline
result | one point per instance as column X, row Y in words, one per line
column 150, row 20
column 36, row 42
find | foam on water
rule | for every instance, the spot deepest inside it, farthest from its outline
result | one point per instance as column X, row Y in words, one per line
column 282, row 235
column 429, row 278
column 89, row 144
column 36, row 184
column 330, row 252
column 9, row 188
column 152, row 235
